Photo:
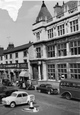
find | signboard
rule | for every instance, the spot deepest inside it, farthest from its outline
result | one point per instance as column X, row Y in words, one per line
column 14, row 66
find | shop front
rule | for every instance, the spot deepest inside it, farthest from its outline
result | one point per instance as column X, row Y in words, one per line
column 12, row 71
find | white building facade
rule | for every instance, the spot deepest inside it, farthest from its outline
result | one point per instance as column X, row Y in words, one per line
column 57, row 43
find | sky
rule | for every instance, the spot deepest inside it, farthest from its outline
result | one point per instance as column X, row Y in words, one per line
column 19, row 31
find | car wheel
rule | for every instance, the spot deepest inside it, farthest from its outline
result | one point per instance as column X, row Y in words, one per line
column 49, row 92
column 12, row 104
column 68, row 96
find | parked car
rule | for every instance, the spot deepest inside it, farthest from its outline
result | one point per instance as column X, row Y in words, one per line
column 6, row 82
column 17, row 98
column 6, row 91
column 47, row 88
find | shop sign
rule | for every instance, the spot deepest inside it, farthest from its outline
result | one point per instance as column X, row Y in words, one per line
column 14, row 66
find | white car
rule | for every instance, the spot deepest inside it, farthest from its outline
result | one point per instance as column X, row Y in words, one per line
column 18, row 97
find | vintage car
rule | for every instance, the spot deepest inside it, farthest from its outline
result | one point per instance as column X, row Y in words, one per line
column 17, row 98
column 47, row 88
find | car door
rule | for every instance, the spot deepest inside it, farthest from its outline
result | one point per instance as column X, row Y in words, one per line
column 25, row 97
column 19, row 99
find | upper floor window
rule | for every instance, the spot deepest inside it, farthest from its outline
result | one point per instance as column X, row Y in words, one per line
column 16, row 61
column 6, row 62
column 51, row 71
column 75, row 47
column 61, row 30
column 1, row 57
column 10, row 62
column 51, row 51
column 38, row 50
column 16, row 55
column 50, row 33
column 10, row 56
column 74, row 26
column 38, row 36
column 25, row 60
column 6, row 56
column 25, row 53
column 62, row 50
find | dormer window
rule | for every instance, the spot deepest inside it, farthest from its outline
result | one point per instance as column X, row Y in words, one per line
column 38, row 36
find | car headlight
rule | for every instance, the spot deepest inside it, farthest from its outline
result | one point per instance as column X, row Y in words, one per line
column 7, row 101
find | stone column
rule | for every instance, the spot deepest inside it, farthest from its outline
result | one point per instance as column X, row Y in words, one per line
column 39, row 70
column 68, row 49
column 44, row 71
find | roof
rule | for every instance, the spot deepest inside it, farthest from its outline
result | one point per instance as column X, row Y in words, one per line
column 18, row 48
column 44, row 14
column 20, row 92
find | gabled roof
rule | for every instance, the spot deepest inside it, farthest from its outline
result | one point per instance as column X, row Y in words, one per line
column 44, row 14
column 18, row 48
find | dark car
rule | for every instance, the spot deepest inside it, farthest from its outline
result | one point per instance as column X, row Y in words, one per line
column 6, row 82
column 6, row 91
column 47, row 88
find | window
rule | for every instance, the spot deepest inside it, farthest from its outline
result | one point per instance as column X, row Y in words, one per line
column 16, row 55
column 38, row 50
column 61, row 30
column 75, row 70
column 25, row 53
column 75, row 47
column 25, row 60
column 62, row 70
column 16, row 61
column 19, row 95
column 10, row 62
column 62, row 50
column 50, row 33
column 51, row 71
column 74, row 26
column 24, row 94
column 6, row 62
column 6, row 57
column 38, row 36
column 10, row 56
column 1, row 57
column 51, row 51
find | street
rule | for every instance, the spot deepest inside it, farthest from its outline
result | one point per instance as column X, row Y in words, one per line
column 47, row 105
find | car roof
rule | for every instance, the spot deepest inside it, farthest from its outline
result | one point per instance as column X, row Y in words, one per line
column 71, row 80
column 18, row 92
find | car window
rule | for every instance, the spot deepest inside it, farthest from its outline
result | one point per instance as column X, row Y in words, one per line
column 24, row 94
column 19, row 95
column 14, row 94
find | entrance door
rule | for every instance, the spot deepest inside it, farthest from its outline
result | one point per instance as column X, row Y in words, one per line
column 35, row 72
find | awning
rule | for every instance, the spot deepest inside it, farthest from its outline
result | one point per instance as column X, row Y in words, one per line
column 24, row 74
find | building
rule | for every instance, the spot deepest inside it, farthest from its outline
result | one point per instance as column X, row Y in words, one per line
column 57, row 43
column 15, row 59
